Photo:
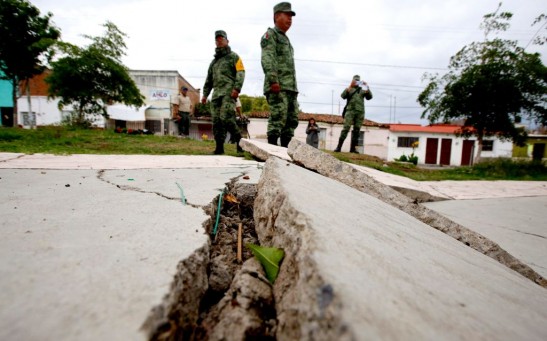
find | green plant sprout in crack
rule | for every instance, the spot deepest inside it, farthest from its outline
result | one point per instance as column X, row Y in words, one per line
column 269, row 257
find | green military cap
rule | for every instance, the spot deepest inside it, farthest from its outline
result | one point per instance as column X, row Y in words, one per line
column 283, row 7
column 357, row 78
column 221, row 33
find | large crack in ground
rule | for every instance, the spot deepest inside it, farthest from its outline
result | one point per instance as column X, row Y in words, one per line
column 215, row 295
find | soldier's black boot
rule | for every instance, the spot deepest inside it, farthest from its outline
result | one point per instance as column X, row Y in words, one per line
column 339, row 147
column 219, row 150
column 272, row 140
column 352, row 148
column 285, row 141
column 354, row 141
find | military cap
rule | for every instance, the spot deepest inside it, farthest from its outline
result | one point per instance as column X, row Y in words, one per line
column 283, row 7
column 221, row 33
column 357, row 78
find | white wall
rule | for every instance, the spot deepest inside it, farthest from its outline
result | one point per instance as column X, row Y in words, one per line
column 500, row 148
column 46, row 111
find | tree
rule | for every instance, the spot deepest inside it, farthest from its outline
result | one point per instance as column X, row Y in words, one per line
column 249, row 103
column 27, row 38
column 491, row 85
column 92, row 77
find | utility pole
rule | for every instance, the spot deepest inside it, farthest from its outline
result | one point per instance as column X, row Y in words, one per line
column 332, row 103
column 394, row 109
column 390, row 103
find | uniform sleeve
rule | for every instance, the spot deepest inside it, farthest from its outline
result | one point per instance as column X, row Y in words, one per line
column 344, row 94
column 368, row 94
column 208, row 86
column 269, row 60
column 240, row 73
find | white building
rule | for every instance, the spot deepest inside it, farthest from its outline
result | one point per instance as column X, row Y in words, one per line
column 439, row 145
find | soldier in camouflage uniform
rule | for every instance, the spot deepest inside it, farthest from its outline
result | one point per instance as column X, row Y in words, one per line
column 280, row 77
column 354, row 111
column 225, row 76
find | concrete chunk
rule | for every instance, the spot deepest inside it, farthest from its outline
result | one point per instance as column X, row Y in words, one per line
column 331, row 167
column 357, row 268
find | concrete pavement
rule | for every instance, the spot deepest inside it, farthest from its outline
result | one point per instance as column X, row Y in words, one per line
column 90, row 243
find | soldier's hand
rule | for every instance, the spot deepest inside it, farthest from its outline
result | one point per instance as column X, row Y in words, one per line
column 203, row 100
column 275, row 88
column 234, row 94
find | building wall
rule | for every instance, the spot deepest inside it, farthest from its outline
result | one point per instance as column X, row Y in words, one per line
column 500, row 148
column 46, row 112
column 6, row 98
column 160, row 88
column 526, row 151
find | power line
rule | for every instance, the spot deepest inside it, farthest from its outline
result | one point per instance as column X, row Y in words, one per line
column 369, row 64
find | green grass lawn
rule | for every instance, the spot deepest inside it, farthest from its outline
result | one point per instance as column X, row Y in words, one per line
column 64, row 141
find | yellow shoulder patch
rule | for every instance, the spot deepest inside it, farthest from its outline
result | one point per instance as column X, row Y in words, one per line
column 239, row 65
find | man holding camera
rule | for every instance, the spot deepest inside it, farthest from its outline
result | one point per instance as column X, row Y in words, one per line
column 354, row 111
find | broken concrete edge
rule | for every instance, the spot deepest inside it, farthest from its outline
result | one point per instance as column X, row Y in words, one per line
column 418, row 196
column 305, row 303
column 327, row 165
column 178, row 312
column 262, row 151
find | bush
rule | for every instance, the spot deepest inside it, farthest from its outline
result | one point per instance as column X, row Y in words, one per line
column 505, row 168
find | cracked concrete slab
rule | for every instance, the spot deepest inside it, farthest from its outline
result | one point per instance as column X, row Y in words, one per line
column 85, row 254
column 357, row 268
column 516, row 223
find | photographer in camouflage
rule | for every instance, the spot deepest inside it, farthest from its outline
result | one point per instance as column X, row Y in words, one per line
column 225, row 78
column 354, row 111
column 280, row 77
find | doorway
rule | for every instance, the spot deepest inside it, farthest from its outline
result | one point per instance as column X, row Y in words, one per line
column 431, row 150
column 467, row 152
column 446, row 151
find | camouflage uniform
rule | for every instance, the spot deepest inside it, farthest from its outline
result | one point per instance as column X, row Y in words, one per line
column 226, row 73
column 278, row 65
column 355, row 114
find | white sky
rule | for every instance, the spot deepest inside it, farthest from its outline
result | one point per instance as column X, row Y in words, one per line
column 390, row 43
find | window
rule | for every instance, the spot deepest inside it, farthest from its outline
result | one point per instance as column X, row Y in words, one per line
column 29, row 119
column 406, row 142
column 487, row 145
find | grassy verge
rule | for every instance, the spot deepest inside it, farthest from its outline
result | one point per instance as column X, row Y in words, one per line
column 63, row 141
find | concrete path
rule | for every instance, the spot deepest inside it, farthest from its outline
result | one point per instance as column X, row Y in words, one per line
column 90, row 243
column 356, row 268
column 519, row 225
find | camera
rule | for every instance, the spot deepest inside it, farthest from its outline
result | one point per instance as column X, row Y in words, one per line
column 359, row 83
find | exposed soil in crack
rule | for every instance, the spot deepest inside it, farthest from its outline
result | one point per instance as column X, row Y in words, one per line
column 239, row 302
column 236, row 301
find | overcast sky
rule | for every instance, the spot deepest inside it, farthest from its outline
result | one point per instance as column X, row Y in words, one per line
column 390, row 43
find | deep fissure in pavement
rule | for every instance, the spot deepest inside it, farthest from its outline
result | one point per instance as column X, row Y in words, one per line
column 214, row 295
